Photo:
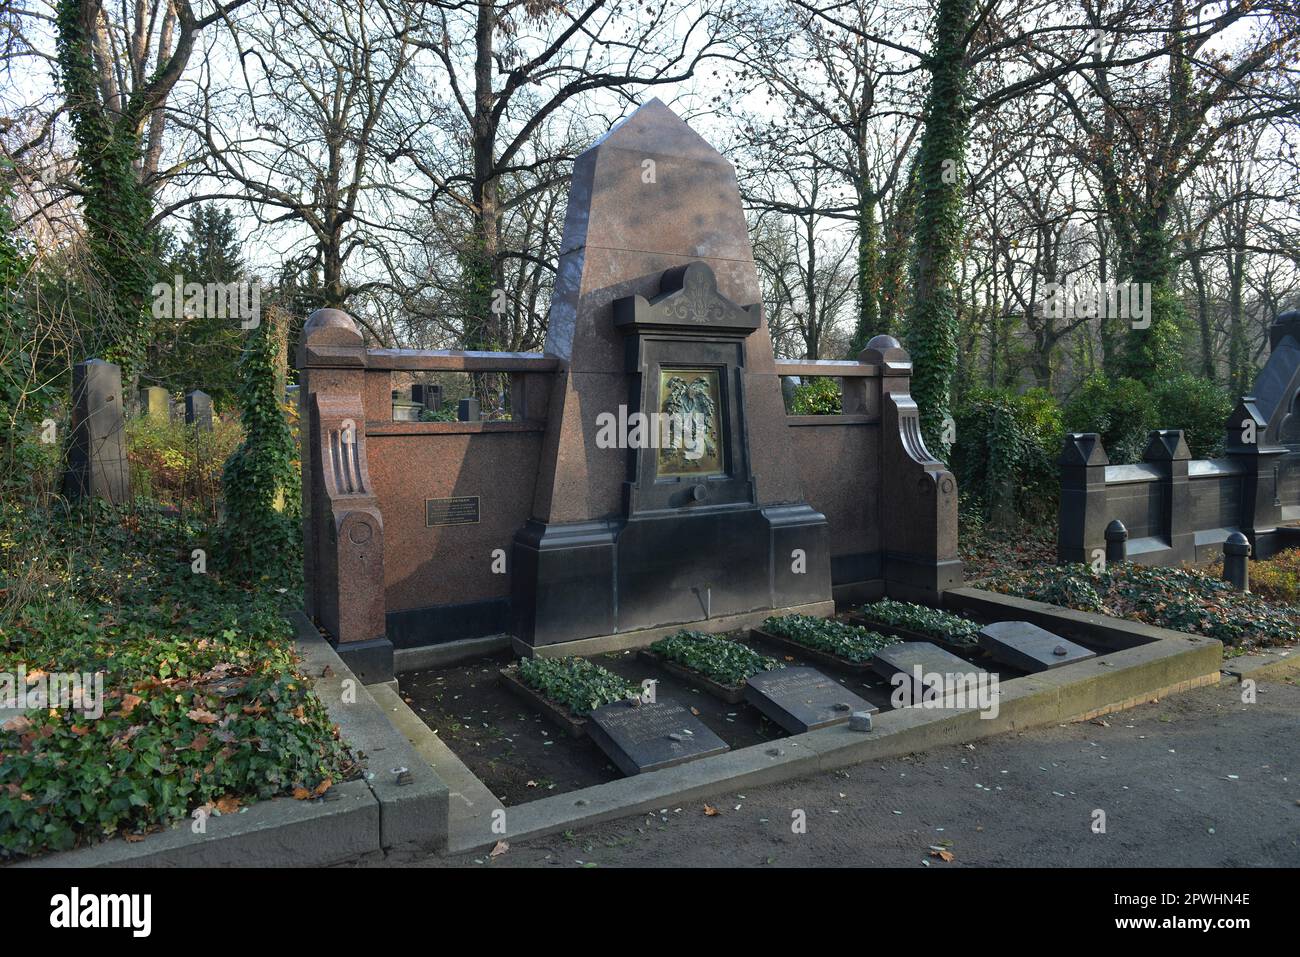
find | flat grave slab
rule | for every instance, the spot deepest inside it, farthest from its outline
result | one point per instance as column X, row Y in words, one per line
column 1024, row 645
column 648, row 737
column 802, row 699
column 932, row 660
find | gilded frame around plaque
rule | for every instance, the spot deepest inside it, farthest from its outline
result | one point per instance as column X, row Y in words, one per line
column 691, row 426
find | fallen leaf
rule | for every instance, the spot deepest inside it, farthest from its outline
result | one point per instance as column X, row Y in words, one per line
column 322, row 787
column 202, row 716
column 500, row 848
column 129, row 703
column 301, row 793
column 944, row 856
column 228, row 804
column 710, row 811
column 18, row 724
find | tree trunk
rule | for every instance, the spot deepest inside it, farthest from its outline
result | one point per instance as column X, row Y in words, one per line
column 932, row 335
column 869, row 323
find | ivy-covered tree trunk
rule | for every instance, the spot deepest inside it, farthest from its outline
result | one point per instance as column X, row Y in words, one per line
column 116, row 206
column 868, row 323
column 1153, row 352
column 260, row 481
column 896, row 232
column 932, row 332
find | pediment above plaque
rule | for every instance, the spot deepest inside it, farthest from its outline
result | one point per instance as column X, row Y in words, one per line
column 688, row 300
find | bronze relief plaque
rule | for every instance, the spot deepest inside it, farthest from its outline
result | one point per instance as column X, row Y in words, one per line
column 690, row 416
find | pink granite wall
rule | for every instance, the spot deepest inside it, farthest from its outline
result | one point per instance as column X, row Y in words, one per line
column 450, row 564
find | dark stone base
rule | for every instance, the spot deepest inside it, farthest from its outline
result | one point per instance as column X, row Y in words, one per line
column 371, row 661
column 440, row 624
column 921, row 580
column 600, row 578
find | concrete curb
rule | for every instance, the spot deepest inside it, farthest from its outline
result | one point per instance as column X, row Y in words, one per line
column 1266, row 666
column 357, row 818
column 281, row 832
column 1111, row 682
column 412, row 815
column 471, row 806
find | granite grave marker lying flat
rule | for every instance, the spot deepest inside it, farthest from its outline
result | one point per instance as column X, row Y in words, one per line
column 1024, row 645
column 647, row 737
column 907, row 657
column 802, row 699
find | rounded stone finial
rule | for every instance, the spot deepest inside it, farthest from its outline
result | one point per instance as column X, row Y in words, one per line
column 331, row 325
column 1116, row 531
column 883, row 350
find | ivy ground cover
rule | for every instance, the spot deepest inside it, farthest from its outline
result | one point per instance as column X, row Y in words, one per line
column 850, row 642
column 729, row 663
column 202, row 707
column 922, row 619
column 1179, row 599
column 575, row 683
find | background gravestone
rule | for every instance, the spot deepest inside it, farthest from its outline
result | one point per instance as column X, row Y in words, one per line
column 429, row 396
column 198, row 410
column 155, row 403
column 97, row 463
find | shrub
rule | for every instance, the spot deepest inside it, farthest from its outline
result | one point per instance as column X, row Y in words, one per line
column 1278, row 578
column 1005, row 454
column 850, row 642
column 1124, row 413
column 1121, row 411
column 576, row 683
column 817, row 396
column 726, row 662
column 1198, row 407
column 178, row 464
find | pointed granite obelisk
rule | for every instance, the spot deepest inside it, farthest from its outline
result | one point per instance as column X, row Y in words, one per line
column 649, row 195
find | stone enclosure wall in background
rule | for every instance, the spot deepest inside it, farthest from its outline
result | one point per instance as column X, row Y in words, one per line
column 1177, row 509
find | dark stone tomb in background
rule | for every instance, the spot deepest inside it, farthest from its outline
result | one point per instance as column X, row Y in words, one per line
column 647, row 737
column 1025, row 646
column 802, row 699
column 198, row 410
column 903, row 658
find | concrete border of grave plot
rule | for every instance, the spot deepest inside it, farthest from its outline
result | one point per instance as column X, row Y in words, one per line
column 1143, row 664
column 361, row 818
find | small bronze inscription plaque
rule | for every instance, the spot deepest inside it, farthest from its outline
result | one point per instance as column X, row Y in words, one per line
column 451, row 511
